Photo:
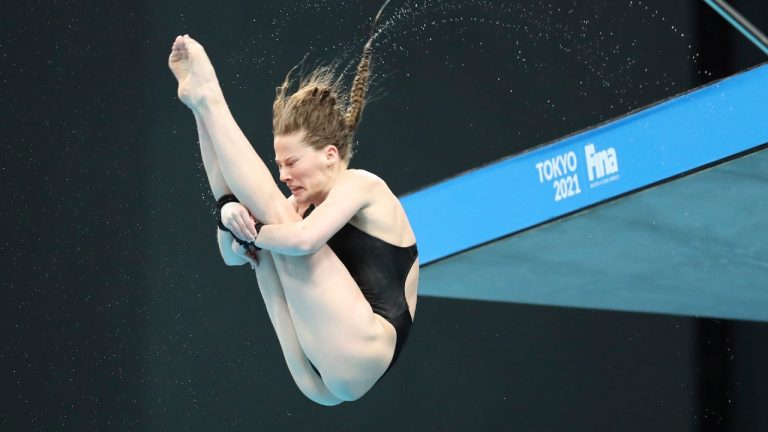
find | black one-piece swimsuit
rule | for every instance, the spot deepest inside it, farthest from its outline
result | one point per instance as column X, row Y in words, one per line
column 380, row 270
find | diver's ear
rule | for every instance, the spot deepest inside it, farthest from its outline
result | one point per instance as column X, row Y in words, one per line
column 331, row 154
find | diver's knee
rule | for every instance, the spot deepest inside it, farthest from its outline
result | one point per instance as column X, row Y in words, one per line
column 347, row 390
column 322, row 398
column 316, row 391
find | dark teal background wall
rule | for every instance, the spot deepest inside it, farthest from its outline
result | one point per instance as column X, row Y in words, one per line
column 117, row 313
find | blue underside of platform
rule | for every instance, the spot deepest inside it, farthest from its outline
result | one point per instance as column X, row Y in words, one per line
column 692, row 246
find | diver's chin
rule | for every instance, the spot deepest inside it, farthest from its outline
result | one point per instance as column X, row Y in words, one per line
column 301, row 196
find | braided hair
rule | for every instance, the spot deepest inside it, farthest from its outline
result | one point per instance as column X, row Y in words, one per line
column 321, row 109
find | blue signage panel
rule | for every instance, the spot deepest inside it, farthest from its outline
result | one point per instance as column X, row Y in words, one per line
column 645, row 147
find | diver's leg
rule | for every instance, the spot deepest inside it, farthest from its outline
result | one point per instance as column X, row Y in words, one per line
column 349, row 344
column 242, row 168
column 216, row 180
column 305, row 377
column 272, row 292
column 269, row 284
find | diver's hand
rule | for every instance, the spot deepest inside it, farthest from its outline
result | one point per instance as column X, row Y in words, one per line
column 251, row 255
column 238, row 220
column 193, row 70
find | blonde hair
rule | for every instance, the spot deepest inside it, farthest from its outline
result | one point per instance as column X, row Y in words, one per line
column 320, row 108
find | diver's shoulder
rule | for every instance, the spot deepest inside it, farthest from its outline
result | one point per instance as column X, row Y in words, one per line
column 365, row 177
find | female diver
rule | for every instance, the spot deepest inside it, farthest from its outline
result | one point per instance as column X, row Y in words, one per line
column 340, row 283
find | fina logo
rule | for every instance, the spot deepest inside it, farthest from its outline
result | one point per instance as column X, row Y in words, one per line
column 602, row 166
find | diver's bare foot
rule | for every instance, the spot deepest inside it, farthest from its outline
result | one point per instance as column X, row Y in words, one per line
column 194, row 72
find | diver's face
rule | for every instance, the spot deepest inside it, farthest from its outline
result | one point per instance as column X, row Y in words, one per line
column 306, row 171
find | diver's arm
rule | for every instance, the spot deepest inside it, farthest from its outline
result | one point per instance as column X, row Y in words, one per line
column 351, row 193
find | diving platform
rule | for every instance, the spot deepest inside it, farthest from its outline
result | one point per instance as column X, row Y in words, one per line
column 664, row 210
